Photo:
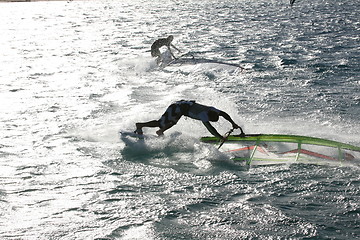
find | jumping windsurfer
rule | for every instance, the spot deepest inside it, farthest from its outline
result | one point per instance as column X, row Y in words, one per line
column 191, row 109
column 155, row 47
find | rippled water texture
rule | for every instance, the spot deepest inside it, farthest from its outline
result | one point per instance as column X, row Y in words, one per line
column 75, row 73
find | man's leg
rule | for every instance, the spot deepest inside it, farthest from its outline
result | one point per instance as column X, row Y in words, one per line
column 166, row 121
column 161, row 131
column 139, row 126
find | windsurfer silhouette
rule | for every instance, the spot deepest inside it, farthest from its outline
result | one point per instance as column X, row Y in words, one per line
column 190, row 109
column 155, row 47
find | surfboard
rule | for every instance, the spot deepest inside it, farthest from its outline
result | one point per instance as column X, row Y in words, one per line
column 131, row 134
column 135, row 136
column 276, row 148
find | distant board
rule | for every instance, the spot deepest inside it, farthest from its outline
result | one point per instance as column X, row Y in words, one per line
column 188, row 60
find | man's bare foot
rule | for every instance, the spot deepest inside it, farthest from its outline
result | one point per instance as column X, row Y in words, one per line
column 160, row 133
column 138, row 129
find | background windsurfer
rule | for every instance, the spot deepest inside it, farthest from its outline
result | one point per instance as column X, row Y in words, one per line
column 155, row 47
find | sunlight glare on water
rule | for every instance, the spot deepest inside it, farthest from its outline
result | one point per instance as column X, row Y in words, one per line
column 73, row 74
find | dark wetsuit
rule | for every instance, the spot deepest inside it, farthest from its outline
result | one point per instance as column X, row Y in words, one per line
column 190, row 109
column 174, row 112
column 187, row 108
column 155, row 52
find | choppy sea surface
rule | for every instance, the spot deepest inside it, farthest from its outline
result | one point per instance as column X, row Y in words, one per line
column 73, row 74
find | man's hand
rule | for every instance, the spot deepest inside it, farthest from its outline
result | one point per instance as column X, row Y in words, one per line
column 235, row 126
column 224, row 138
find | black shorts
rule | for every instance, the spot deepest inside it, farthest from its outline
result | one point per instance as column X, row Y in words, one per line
column 171, row 116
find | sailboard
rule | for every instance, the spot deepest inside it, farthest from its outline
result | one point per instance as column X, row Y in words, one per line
column 189, row 59
column 261, row 149
column 135, row 136
column 193, row 60
column 132, row 134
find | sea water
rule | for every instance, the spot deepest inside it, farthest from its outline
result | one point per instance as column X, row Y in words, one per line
column 73, row 74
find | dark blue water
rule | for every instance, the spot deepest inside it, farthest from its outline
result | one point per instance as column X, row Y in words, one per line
column 74, row 74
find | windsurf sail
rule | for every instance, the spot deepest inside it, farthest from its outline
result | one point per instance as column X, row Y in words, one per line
column 193, row 60
column 276, row 148
column 189, row 58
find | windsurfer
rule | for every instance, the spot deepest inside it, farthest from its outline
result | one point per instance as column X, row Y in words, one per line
column 155, row 47
column 191, row 109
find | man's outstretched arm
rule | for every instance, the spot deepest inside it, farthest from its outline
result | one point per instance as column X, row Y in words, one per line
column 227, row 117
column 171, row 53
column 175, row 47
